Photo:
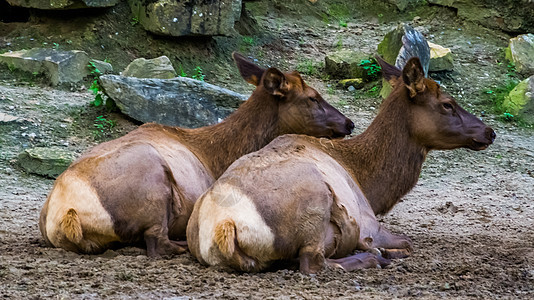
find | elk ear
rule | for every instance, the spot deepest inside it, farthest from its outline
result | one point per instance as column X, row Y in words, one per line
column 389, row 72
column 248, row 70
column 413, row 76
column 275, row 82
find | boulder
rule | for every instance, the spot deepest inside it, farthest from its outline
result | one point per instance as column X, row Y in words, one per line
column 520, row 101
column 160, row 67
column 346, row 64
column 402, row 5
column 180, row 101
column 440, row 58
column 401, row 44
column 5, row 118
column 57, row 66
column 520, row 51
column 45, row 161
column 506, row 15
column 356, row 83
column 102, row 66
column 184, row 18
column 62, row 4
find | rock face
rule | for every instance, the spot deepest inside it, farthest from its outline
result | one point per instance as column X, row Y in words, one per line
column 520, row 51
column 440, row 58
column 520, row 101
column 507, row 15
column 45, row 161
column 62, row 4
column 402, row 5
column 181, row 101
column 160, row 67
column 183, row 18
column 403, row 43
column 346, row 64
column 58, row 66
column 102, row 66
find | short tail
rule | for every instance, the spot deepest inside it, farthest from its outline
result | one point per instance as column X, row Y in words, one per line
column 225, row 237
column 71, row 226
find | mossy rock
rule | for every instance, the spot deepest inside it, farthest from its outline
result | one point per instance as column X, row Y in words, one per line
column 346, row 64
column 520, row 101
column 520, row 51
column 45, row 161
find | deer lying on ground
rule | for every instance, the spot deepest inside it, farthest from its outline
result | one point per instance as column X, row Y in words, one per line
column 143, row 185
column 315, row 199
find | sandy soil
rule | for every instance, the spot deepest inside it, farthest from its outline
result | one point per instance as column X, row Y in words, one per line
column 470, row 216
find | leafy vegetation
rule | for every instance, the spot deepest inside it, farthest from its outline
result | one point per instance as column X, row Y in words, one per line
column 102, row 126
column 198, row 75
column 309, row 67
column 372, row 67
column 498, row 94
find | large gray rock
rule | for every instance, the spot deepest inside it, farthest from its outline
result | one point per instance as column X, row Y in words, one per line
column 401, row 44
column 180, row 101
column 440, row 58
column 183, row 18
column 346, row 64
column 62, row 4
column 520, row 101
column 45, row 161
column 520, row 51
column 58, row 66
column 507, row 15
column 160, row 67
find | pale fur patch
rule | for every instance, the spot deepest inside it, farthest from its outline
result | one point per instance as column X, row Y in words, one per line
column 225, row 202
column 72, row 192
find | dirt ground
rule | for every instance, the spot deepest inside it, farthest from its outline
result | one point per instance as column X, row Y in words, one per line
column 471, row 215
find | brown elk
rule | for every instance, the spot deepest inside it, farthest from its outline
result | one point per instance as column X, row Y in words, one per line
column 143, row 185
column 315, row 199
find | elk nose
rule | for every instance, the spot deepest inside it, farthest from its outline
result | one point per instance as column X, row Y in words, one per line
column 491, row 134
column 349, row 125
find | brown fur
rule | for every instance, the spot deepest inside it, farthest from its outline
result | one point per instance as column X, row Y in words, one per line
column 143, row 186
column 70, row 224
column 225, row 236
column 317, row 200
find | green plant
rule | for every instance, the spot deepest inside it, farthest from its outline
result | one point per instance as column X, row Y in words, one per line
column 198, row 75
column 134, row 21
column 56, row 46
column 371, row 67
column 342, row 23
column 246, row 43
column 102, row 126
column 95, row 86
column 307, row 67
column 330, row 90
column 497, row 95
column 182, row 72
column 339, row 43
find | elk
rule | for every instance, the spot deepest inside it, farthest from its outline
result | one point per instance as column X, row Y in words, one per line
column 316, row 199
column 142, row 186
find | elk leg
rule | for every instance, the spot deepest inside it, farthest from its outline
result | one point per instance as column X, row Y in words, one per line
column 359, row 261
column 310, row 261
column 393, row 246
column 158, row 243
column 182, row 244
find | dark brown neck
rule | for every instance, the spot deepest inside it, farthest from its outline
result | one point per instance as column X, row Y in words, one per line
column 248, row 129
column 385, row 161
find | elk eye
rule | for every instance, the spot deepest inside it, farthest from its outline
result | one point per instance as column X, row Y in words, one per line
column 313, row 99
column 447, row 106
